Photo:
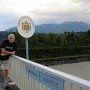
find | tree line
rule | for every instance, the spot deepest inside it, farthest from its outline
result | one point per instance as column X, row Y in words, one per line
column 55, row 45
column 40, row 40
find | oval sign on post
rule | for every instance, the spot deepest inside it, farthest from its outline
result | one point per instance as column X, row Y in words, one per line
column 26, row 27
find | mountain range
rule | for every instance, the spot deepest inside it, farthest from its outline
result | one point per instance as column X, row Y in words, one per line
column 59, row 28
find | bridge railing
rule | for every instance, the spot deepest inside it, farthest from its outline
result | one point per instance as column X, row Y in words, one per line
column 29, row 75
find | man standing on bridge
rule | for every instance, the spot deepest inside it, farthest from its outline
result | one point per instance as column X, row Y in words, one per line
column 8, row 48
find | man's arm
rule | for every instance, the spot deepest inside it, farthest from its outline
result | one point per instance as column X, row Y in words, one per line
column 14, row 52
column 7, row 52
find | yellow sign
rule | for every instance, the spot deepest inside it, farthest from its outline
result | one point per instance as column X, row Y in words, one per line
column 26, row 26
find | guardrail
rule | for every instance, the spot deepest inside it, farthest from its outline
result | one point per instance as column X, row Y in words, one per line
column 29, row 75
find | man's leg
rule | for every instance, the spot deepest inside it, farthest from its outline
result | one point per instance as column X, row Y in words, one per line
column 5, row 68
column 5, row 74
column 5, row 77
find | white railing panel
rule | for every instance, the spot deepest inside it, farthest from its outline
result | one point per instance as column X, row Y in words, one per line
column 69, row 86
column 24, row 82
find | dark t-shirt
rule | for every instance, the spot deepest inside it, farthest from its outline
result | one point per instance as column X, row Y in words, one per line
column 8, row 47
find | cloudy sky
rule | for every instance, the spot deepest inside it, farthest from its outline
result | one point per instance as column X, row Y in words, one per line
column 43, row 11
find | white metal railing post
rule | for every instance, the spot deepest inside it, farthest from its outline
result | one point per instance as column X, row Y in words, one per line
column 81, row 88
column 71, row 86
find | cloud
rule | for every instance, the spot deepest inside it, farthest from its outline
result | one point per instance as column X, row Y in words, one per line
column 44, row 11
column 57, row 12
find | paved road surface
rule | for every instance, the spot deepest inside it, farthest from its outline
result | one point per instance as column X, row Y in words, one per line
column 81, row 69
column 1, row 83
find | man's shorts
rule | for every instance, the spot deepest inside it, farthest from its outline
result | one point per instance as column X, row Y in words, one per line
column 4, row 64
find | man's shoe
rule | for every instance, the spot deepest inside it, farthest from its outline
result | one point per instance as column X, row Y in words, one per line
column 6, row 86
column 10, row 83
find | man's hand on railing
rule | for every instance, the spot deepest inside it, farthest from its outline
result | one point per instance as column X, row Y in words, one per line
column 2, row 54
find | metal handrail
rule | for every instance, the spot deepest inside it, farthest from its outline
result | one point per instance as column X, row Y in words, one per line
column 75, row 80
